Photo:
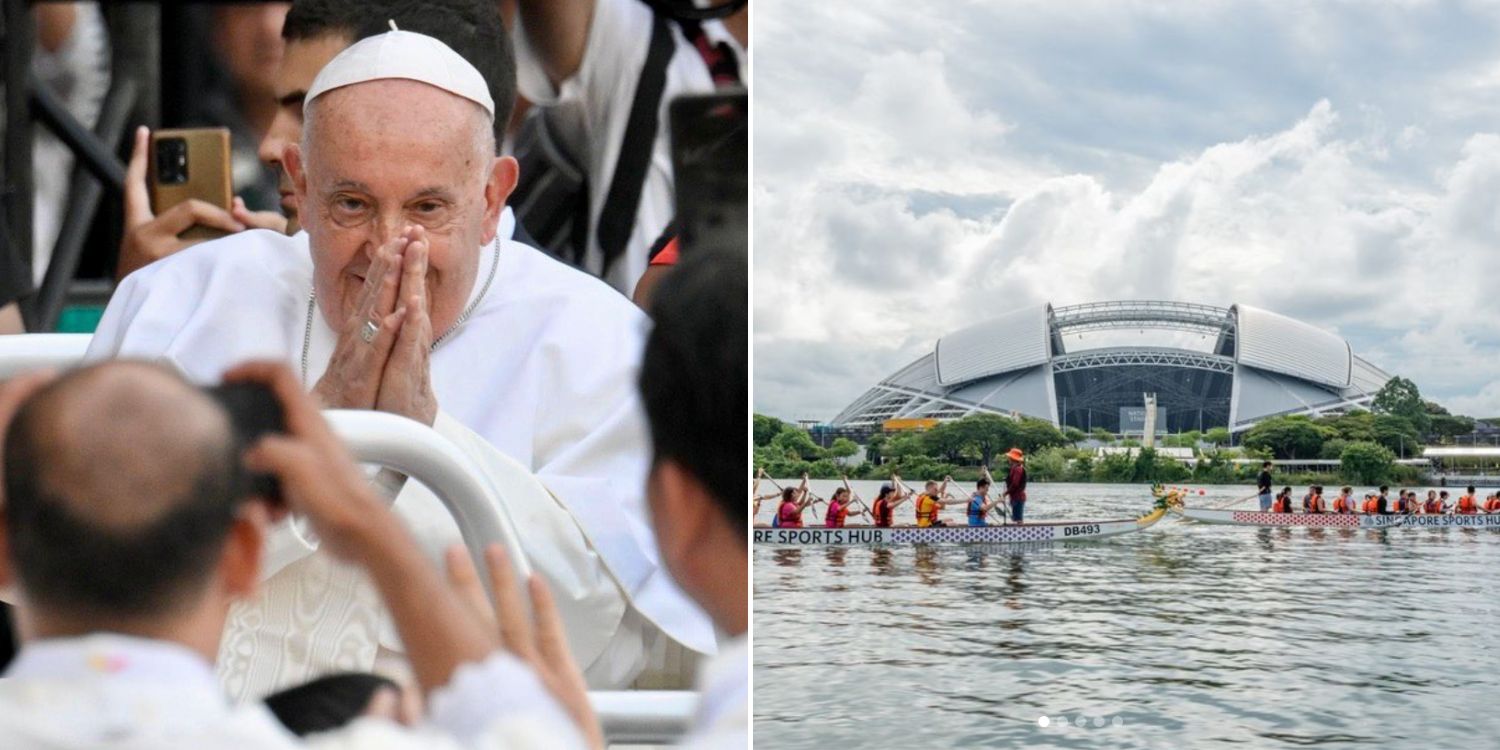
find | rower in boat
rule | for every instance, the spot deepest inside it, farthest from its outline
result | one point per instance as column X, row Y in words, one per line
column 928, row 505
column 1263, row 486
column 1402, row 505
column 1015, row 484
column 1382, row 502
column 1431, row 506
column 1492, row 503
column 759, row 475
column 1283, row 501
column 794, row 500
column 1468, row 504
column 1313, row 502
column 980, row 502
column 884, row 508
column 838, row 509
column 1344, row 503
column 1440, row 506
column 1373, row 504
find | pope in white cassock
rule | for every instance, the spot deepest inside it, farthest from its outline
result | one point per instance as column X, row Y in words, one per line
column 405, row 294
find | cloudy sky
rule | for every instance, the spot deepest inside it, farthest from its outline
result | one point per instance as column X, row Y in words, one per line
column 923, row 165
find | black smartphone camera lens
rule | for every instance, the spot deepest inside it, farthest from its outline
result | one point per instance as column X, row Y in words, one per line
column 171, row 161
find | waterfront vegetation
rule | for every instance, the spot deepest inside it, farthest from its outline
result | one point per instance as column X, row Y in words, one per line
column 1365, row 444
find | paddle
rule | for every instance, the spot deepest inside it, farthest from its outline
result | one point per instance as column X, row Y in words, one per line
column 1004, row 512
column 864, row 505
column 1236, row 501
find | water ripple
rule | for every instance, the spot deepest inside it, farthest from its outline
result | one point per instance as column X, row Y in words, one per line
column 1182, row 636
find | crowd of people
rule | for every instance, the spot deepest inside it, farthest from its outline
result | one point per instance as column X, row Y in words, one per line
column 398, row 277
column 1406, row 502
column 793, row 502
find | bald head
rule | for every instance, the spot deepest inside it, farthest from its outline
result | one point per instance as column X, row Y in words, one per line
column 122, row 481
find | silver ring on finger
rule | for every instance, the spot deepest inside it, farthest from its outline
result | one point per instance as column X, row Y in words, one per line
column 368, row 331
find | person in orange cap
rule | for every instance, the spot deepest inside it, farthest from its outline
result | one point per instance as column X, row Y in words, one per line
column 1015, row 484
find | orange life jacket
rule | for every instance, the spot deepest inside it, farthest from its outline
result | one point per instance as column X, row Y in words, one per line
column 927, row 510
column 837, row 512
column 881, row 510
column 1283, row 504
column 1467, row 505
column 1315, row 504
column 1491, row 505
column 1342, row 504
column 1371, row 504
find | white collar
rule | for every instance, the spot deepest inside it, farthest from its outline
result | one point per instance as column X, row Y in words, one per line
column 119, row 656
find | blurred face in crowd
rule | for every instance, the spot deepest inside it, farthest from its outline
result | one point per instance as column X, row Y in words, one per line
column 300, row 63
column 379, row 156
column 248, row 38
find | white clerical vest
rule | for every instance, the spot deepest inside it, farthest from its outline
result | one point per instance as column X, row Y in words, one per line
column 538, row 386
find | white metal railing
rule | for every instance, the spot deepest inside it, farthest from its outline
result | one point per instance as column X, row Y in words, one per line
column 36, row 351
column 414, row 449
column 418, row 451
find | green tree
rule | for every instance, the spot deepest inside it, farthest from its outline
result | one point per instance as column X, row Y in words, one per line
column 1366, row 463
column 1215, row 467
column 1083, row 468
column 904, row 445
column 1074, row 436
column 824, row 468
column 1358, row 426
column 948, row 440
column 1102, row 435
column 767, row 428
column 986, row 434
column 1048, row 465
column 1400, row 397
column 1449, row 426
column 1333, row 449
column 798, row 443
column 842, row 447
column 875, row 448
column 1035, row 434
column 1398, row 434
column 1217, row 436
column 1288, row 437
column 1115, row 467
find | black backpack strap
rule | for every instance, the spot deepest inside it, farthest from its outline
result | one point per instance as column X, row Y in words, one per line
column 617, row 216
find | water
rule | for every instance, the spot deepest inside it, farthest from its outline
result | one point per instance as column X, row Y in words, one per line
column 1183, row 635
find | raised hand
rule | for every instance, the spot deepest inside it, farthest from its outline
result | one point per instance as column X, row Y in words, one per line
column 537, row 639
column 354, row 374
column 406, row 380
column 150, row 237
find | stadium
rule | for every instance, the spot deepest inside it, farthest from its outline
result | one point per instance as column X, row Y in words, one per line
column 1208, row 367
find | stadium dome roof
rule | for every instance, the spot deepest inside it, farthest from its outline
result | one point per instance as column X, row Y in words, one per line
column 1260, row 364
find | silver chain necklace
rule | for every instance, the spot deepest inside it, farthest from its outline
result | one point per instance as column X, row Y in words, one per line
column 312, row 300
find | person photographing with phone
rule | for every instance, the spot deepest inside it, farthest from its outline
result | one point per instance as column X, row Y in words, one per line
column 128, row 539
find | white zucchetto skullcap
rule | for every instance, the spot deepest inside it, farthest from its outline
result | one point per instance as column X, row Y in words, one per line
column 403, row 54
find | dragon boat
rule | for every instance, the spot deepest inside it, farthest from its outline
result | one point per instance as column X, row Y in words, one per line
column 1266, row 519
column 1016, row 533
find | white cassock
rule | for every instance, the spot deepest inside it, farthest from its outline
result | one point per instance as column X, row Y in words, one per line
column 539, row 382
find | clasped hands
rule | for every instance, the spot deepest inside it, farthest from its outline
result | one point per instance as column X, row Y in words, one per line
column 382, row 360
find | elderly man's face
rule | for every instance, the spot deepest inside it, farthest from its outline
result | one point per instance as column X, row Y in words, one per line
column 385, row 155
